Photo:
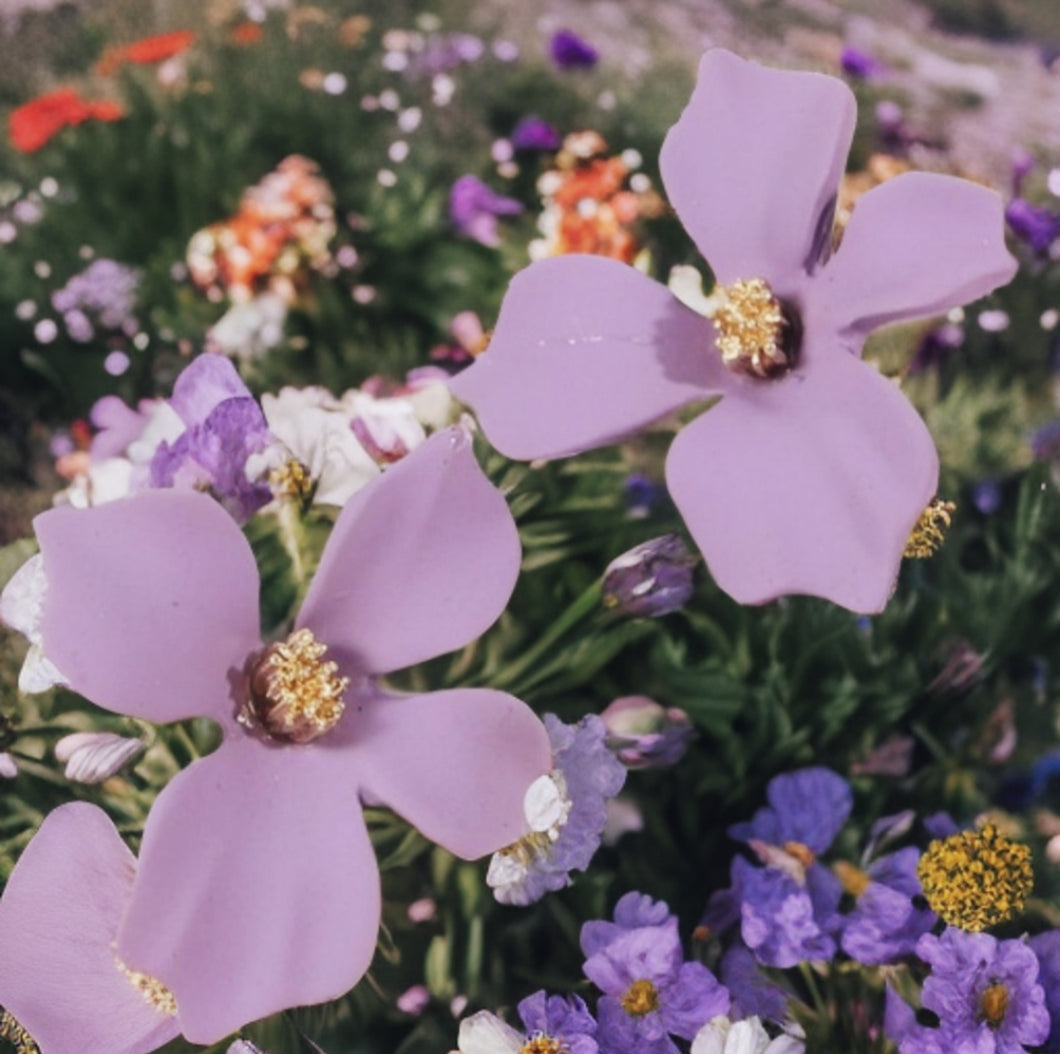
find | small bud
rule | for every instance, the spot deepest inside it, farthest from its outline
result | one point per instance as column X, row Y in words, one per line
column 414, row 1000
column 652, row 579
column 644, row 734
column 92, row 757
column 8, row 766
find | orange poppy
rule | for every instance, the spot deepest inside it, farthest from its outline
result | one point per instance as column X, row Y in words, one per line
column 246, row 34
column 146, row 51
column 35, row 123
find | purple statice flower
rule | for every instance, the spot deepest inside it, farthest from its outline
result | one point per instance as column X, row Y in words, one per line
column 474, row 208
column 565, row 814
column 533, row 133
column 643, row 495
column 860, row 65
column 650, row 992
column 986, row 496
column 569, row 51
column 59, row 917
column 105, row 289
column 151, row 610
column 985, row 992
column 633, row 911
column 644, row 734
column 1035, row 225
column 1046, row 947
column 935, row 347
column 446, row 51
column 886, row 921
column 806, row 480
column 224, row 426
column 751, row 992
column 565, row 1023
column 651, row 579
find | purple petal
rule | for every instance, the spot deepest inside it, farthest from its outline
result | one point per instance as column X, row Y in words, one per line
column 204, row 384
column 258, row 888
column 151, row 602
column 809, row 485
column 421, row 561
column 586, row 351
column 753, row 165
column 58, row 920
column 916, row 245
column 456, row 764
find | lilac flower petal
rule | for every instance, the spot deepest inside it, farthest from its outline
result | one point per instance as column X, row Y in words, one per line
column 916, row 245
column 58, row 920
column 456, row 764
column 752, row 168
column 832, row 468
column 204, row 384
column 422, row 560
column 151, row 602
column 586, row 351
column 258, row 888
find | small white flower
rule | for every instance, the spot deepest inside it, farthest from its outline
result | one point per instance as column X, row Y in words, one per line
column 722, row 1036
column 485, row 1033
column 92, row 757
column 244, row 1046
column 22, row 608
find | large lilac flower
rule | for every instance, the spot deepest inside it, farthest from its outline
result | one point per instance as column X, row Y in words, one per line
column 59, row 916
column 810, row 474
column 257, row 887
column 985, row 992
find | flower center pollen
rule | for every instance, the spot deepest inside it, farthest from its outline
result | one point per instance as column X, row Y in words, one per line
column 753, row 332
column 976, row 879
column 153, row 990
column 641, row 998
column 295, row 696
column 930, row 530
column 853, row 880
column 16, row 1035
column 542, row 1044
column 992, row 1005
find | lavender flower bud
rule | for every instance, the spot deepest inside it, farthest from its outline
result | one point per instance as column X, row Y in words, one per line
column 652, row 579
column 92, row 757
column 644, row 734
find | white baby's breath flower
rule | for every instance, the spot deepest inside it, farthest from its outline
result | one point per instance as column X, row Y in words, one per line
column 722, row 1036
column 485, row 1033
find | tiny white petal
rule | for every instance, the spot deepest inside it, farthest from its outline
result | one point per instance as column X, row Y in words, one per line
column 38, row 673
column 22, row 600
column 485, row 1033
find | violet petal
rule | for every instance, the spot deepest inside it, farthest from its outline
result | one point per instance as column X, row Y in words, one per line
column 916, row 245
column 421, row 561
column 151, row 602
column 753, row 165
column 456, row 763
column 586, row 351
column 832, row 469
column 258, row 888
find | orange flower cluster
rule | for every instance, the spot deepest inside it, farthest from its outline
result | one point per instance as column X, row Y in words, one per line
column 282, row 229
column 35, row 123
column 145, row 52
column 589, row 205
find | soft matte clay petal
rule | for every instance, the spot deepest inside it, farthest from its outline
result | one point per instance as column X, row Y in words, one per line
column 58, row 920
column 151, row 605
column 585, row 352
column 917, row 245
column 455, row 764
column 753, row 165
column 421, row 561
column 258, row 888
column 807, row 485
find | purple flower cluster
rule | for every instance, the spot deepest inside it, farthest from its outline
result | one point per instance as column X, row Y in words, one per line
column 105, row 292
column 474, row 208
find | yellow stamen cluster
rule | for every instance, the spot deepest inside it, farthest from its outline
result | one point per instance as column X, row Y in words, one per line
column 290, row 480
column 641, row 998
column 976, row 879
column 542, row 1044
column 930, row 530
column 750, row 328
column 853, row 880
column 803, row 853
column 153, row 990
column 16, row 1035
column 294, row 695
column 992, row 1005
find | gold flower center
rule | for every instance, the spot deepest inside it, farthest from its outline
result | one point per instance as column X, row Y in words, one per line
column 853, row 880
column 992, row 1005
column 976, row 879
column 930, row 530
column 16, row 1035
column 153, row 990
column 290, row 480
column 641, row 998
column 295, row 696
column 752, row 330
column 542, row 1044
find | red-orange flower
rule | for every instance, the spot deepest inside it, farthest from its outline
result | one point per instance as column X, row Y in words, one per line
column 146, row 51
column 33, row 124
column 246, row 34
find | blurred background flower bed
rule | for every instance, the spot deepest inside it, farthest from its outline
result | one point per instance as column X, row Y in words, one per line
column 334, row 198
